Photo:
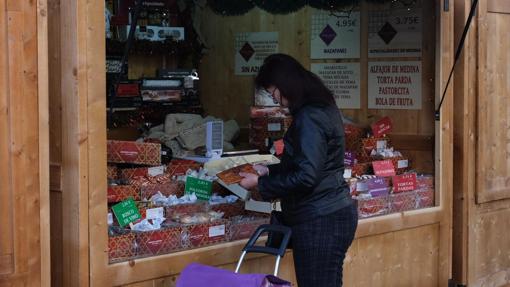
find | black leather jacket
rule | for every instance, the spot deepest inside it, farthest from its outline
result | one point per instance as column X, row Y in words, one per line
column 309, row 180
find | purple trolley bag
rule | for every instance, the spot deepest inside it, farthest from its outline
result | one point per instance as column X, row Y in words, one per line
column 198, row 275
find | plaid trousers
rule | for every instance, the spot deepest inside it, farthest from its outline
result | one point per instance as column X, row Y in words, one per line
column 319, row 247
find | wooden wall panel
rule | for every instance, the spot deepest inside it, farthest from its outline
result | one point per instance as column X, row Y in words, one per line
column 494, row 111
column 390, row 259
column 24, row 250
column 6, row 248
column 491, row 248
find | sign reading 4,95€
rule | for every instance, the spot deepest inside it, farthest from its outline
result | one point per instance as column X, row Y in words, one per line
column 335, row 36
column 126, row 212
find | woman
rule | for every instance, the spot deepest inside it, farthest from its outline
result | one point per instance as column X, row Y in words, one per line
column 309, row 180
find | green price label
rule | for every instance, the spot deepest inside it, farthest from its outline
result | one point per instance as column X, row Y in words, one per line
column 201, row 188
column 126, row 212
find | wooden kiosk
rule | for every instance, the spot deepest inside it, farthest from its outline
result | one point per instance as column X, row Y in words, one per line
column 62, row 71
column 403, row 249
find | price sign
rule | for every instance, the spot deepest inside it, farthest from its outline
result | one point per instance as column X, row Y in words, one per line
column 404, row 182
column 126, row 212
column 200, row 187
column 382, row 127
column 383, row 168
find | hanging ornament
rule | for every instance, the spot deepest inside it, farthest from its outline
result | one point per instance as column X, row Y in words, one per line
column 231, row 7
column 280, row 6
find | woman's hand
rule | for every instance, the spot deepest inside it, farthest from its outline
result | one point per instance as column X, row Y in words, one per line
column 261, row 169
column 249, row 181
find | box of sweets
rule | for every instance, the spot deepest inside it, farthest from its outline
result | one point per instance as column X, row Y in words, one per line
column 204, row 234
column 118, row 193
column 121, row 247
column 242, row 227
column 133, row 152
column 162, row 241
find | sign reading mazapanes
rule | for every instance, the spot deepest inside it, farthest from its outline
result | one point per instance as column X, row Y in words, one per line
column 335, row 36
column 251, row 49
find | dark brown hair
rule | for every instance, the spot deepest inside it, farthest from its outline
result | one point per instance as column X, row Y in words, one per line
column 298, row 85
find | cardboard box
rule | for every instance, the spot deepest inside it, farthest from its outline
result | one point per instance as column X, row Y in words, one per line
column 118, row 193
column 236, row 189
column 244, row 227
column 204, row 234
column 121, row 247
column 134, row 152
column 165, row 240
column 261, row 206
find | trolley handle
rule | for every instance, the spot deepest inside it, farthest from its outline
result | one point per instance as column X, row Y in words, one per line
column 250, row 247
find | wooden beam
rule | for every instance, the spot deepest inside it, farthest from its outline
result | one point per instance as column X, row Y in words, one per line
column 44, row 141
column 6, row 246
column 74, row 87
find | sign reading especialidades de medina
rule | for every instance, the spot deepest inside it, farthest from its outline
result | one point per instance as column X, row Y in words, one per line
column 251, row 49
column 335, row 36
column 395, row 29
column 395, row 85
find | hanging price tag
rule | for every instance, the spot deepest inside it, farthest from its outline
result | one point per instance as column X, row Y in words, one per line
column 126, row 212
column 383, row 168
column 405, row 182
column 382, row 127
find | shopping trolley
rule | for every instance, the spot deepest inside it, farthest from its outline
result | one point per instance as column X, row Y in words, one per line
column 198, row 275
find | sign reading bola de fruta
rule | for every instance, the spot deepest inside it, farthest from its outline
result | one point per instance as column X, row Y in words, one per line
column 251, row 50
column 395, row 85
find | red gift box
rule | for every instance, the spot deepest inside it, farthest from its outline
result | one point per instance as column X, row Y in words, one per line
column 134, row 152
column 242, row 228
column 353, row 137
column 368, row 207
column 128, row 90
column 425, row 198
column 112, row 171
column 229, row 209
column 360, row 169
column 368, row 145
column 118, row 193
column 166, row 189
column 425, row 182
column 121, row 247
column 403, row 201
column 205, row 234
column 179, row 167
column 165, row 240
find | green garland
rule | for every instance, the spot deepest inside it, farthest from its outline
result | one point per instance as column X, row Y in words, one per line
column 332, row 4
column 231, row 7
column 280, row 6
column 240, row 7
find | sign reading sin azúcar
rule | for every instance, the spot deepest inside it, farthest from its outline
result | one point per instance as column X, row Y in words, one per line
column 251, row 49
